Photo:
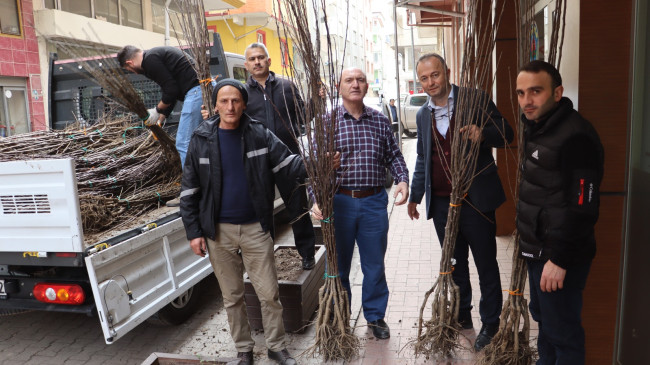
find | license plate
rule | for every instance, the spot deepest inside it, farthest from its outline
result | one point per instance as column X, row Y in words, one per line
column 2, row 288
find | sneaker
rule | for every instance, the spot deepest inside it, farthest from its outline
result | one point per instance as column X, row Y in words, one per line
column 485, row 336
column 283, row 357
column 174, row 202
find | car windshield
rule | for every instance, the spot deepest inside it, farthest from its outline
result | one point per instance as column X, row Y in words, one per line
column 418, row 100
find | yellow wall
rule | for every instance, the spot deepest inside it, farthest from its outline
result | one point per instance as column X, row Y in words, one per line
column 239, row 46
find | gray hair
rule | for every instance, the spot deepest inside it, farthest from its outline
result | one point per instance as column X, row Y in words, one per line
column 257, row 45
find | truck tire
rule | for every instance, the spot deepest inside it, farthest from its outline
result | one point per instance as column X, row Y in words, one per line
column 181, row 308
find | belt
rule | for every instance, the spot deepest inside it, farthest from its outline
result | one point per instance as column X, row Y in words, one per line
column 361, row 193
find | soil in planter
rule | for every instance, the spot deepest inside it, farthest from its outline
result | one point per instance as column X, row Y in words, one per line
column 288, row 263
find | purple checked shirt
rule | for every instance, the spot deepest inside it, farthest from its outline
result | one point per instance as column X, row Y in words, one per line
column 367, row 148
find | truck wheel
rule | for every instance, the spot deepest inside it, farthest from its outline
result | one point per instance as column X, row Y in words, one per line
column 181, row 308
column 408, row 133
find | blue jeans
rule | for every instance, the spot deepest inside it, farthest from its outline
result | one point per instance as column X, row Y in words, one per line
column 364, row 220
column 561, row 339
column 190, row 119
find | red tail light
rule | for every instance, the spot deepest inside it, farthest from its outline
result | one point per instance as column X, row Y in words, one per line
column 70, row 294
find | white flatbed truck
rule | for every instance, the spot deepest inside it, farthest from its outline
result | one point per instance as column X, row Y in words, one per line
column 123, row 279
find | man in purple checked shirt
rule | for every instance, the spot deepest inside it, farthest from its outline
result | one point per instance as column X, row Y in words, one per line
column 367, row 146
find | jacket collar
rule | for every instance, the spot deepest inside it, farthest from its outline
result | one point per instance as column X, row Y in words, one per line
column 253, row 83
column 551, row 119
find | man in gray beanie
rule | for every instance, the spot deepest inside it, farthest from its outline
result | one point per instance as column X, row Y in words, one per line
column 232, row 166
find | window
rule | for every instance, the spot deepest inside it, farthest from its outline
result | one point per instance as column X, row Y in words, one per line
column 81, row 7
column 284, row 51
column 124, row 12
column 239, row 73
column 132, row 13
column 9, row 23
column 14, row 116
column 261, row 37
column 107, row 10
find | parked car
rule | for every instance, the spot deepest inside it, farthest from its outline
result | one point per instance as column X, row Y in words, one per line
column 409, row 110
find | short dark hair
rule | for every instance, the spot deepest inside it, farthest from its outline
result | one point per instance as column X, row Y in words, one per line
column 126, row 54
column 538, row 66
column 391, row 100
column 426, row 56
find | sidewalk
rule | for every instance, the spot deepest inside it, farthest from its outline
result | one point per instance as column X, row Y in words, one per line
column 412, row 263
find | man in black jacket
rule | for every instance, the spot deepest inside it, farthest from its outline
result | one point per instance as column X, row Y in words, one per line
column 233, row 164
column 172, row 70
column 276, row 103
column 558, row 205
column 477, row 224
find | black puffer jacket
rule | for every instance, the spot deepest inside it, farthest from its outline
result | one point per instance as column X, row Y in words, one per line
column 559, row 190
column 267, row 161
column 276, row 107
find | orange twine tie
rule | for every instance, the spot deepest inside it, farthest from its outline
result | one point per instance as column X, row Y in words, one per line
column 448, row 272
column 459, row 204
column 514, row 292
column 205, row 81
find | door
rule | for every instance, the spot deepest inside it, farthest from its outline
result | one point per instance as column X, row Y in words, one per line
column 14, row 115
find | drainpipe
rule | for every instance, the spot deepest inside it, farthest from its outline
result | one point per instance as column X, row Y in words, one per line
column 167, row 22
column 397, row 98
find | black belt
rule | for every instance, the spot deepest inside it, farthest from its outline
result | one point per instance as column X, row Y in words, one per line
column 361, row 193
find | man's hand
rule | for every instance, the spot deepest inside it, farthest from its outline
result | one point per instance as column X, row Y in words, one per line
column 336, row 161
column 413, row 210
column 402, row 188
column 552, row 277
column 198, row 246
column 316, row 212
column 154, row 117
column 473, row 132
column 204, row 112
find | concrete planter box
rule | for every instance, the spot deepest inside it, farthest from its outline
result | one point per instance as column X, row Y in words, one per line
column 299, row 298
column 158, row 358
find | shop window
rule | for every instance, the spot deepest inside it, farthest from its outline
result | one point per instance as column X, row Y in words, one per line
column 131, row 13
column 124, row 12
column 9, row 21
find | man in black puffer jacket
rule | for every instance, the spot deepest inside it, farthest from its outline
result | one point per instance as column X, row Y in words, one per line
column 558, row 207
column 276, row 102
column 232, row 165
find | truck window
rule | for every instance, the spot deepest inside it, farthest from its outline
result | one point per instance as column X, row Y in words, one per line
column 239, row 73
column 418, row 100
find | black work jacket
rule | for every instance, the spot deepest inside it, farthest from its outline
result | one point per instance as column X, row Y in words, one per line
column 559, row 189
column 267, row 161
column 279, row 106
column 172, row 70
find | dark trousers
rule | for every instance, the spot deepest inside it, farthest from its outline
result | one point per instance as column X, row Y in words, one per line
column 478, row 234
column 303, row 229
column 561, row 337
column 364, row 221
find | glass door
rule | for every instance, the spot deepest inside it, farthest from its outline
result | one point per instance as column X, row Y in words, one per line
column 14, row 116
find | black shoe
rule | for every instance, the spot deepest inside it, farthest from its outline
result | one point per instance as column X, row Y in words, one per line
column 283, row 357
column 465, row 320
column 308, row 263
column 485, row 336
column 244, row 358
column 379, row 329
